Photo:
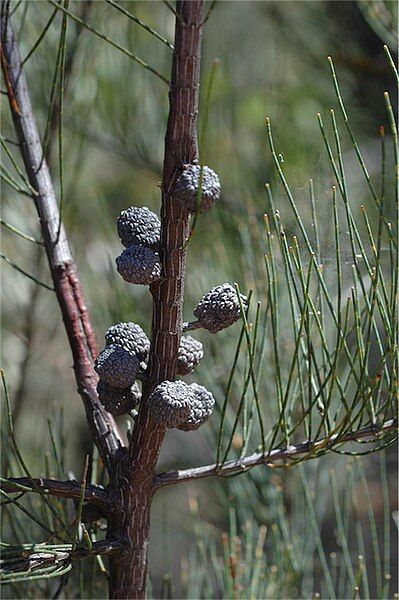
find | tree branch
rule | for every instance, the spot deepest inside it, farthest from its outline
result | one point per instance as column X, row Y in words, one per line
column 26, row 559
column 94, row 494
column 279, row 454
column 62, row 266
column 180, row 147
column 135, row 484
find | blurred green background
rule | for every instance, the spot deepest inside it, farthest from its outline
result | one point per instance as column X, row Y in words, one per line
column 272, row 63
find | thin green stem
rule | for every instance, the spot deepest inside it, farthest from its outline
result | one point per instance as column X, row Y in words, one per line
column 8, row 178
column 79, row 526
column 20, row 233
column 32, row 277
column 16, row 167
column 40, row 38
column 141, row 23
column 251, row 365
column 20, row 459
column 110, row 41
column 352, row 137
column 392, row 63
column 228, row 390
column 372, row 526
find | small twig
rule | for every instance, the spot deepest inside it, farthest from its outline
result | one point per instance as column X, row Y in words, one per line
column 140, row 22
column 32, row 277
column 7, row 178
column 279, row 454
column 110, row 41
column 391, row 62
column 21, row 233
column 172, row 10
column 40, row 38
column 15, row 165
column 29, row 514
column 12, row 500
column 210, row 10
column 94, row 494
column 8, row 140
column 191, row 326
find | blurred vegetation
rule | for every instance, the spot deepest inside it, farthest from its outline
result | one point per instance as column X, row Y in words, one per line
column 207, row 538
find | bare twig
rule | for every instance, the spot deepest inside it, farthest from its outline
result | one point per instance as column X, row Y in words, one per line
column 25, row 273
column 125, row 51
column 279, row 454
column 210, row 10
column 94, row 494
column 141, row 23
column 21, row 234
column 62, row 266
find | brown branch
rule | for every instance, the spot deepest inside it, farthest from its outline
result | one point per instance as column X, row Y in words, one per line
column 62, row 266
column 232, row 467
column 135, row 485
column 28, row 328
column 94, row 494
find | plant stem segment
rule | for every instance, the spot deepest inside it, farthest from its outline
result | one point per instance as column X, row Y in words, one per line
column 133, row 484
column 62, row 266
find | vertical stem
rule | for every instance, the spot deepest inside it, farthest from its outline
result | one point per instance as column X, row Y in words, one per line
column 62, row 266
column 133, row 481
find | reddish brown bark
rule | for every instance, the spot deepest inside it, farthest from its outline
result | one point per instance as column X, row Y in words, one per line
column 62, row 266
column 135, row 487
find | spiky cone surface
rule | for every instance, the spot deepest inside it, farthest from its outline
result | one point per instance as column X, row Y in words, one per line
column 187, row 185
column 200, row 409
column 189, row 355
column 170, row 403
column 118, row 401
column 139, row 225
column 219, row 308
column 139, row 264
column 116, row 366
column 131, row 337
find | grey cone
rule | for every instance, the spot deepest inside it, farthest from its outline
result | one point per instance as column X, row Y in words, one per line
column 170, row 403
column 187, row 188
column 176, row 404
column 219, row 308
column 200, row 409
column 139, row 264
column 189, row 355
column 131, row 337
column 139, row 225
column 116, row 366
column 118, row 401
